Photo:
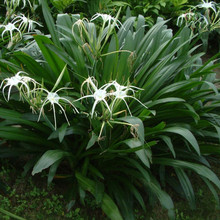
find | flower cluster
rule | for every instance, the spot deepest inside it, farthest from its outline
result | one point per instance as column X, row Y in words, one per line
column 204, row 16
column 24, row 23
column 112, row 91
column 35, row 93
column 207, row 5
column 18, row 81
column 38, row 97
column 9, row 27
column 107, row 19
column 53, row 98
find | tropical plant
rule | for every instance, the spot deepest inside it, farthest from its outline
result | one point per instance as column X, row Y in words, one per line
column 203, row 19
column 146, row 110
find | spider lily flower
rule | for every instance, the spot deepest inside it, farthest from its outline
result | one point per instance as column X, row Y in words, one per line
column 121, row 93
column 107, row 18
column 53, row 98
column 207, row 5
column 9, row 27
column 184, row 17
column 99, row 95
column 17, row 2
column 16, row 81
column 24, row 21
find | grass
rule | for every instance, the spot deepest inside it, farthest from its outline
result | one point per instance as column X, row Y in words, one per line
column 30, row 198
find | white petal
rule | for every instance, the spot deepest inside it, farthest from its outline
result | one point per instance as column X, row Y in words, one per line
column 93, row 107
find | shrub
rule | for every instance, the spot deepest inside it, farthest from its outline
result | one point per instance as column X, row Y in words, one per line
column 146, row 110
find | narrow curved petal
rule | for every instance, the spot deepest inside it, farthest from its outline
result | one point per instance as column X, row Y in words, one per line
column 41, row 109
column 16, row 20
column 9, row 91
column 107, row 105
column 11, row 35
column 84, row 97
column 74, row 108
column 3, row 91
column 127, row 106
column 93, row 107
column 25, row 84
column 3, row 34
column 138, row 101
column 112, row 105
column 64, row 113
column 54, row 116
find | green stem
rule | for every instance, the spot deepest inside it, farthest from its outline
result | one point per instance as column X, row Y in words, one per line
column 11, row 214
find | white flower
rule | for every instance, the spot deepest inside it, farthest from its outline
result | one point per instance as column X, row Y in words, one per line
column 53, row 98
column 184, row 17
column 17, row 2
column 25, row 22
column 15, row 81
column 99, row 95
column 121, row 93
column 9, row 27
column 207, row 5
column 106, row 18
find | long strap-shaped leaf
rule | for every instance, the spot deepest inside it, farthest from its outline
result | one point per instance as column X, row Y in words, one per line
column 55, row 62
column 50, row 23
column 198, row 168
column 107, row 205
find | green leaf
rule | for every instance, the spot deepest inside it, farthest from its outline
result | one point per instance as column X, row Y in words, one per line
column 163, row 197
column 199, row 169
column 95, row 171
column 185, row 133
column 92, row 141
column 69, row 131
column 212, row 189
column 165, row 100
column 99, row 192
column 52, row 171
column 59, row 78
column 16, row 117
column 62, row 131
column 210, row 149
column 137, row 123
column 23, row 135
column 48, row 159
column 133, row 149
column 107, row 204
column 158, row 127
column 31, row 65
column 56, row 64
column 186, row 186
column 169, row 143
column 143, row 154
column 50, row 23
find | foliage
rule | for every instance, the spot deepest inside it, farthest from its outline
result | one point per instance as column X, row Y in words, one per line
column 106, row 71
column 203, row 19
column 163, row 8
column 62, row 5
column 88, row 8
